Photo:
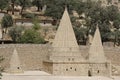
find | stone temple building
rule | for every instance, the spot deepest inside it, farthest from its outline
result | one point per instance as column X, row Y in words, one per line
column 65, row 58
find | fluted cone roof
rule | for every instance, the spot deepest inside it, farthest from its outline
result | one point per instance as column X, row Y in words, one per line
column 65, row 36
column 96, row 53
column 15, row 65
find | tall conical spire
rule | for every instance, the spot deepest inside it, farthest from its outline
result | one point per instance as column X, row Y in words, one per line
column 65, row 43
column 65, row 36
column 15, row 65
column 96, row 53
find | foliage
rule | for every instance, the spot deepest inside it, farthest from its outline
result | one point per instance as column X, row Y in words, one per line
column 36, row 25
column 38, row 3
column 29, row 15
column 16, row 32
column 117, row 37
column 55, row 8
column 31, row 36
column 3, row 4
column 13, row 3
column 7, row 21
column 24, row 4
column 80, row 34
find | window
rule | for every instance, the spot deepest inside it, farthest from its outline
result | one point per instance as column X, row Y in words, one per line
column 98, row 71
column 70, row 67
column 66, row 69
column 75, row 69
column 89, row 73
column 18, row 67
column 68, row 59
column 72, row 59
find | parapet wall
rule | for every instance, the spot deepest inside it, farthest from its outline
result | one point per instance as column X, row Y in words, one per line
column 32, row 55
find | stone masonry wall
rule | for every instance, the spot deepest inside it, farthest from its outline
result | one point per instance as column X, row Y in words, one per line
column 32, row 55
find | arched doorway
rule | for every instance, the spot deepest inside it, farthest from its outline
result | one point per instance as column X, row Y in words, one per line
column 89, row 73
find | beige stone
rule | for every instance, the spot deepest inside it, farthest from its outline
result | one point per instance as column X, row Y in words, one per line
column 15, row 65
column 96, row 52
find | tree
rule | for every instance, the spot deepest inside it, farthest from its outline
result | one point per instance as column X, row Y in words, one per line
column 113, row 12
column 3, row 4
column 31, row 36
column 116, row 24
column 13, row 3
column 38, row 4
column 109, row 1
column 117, row 37
column 16, row 32
column 24, row 4
column 7, row 21
column 36, row 25
column 55, row 8
column 80, row 34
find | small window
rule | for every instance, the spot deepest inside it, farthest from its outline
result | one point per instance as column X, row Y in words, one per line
column 75, row 69
column 98, row 71
column 72, row 59
column 44, row 22
column 89, row 73
column 18, row 67
column 68, row 59
column 106, row 65
column 70, row 67
column 66, row 69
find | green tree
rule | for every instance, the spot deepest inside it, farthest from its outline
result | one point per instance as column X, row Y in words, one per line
column 16, row 32
column 13, row 3
column 31, row 36
column 7, row 21
column 80, row 34
column 38, row 4
column 3, row 4
column 55, row 8
column 36, row 25
column 113, row 12
column 24, row 4
column 117, row 37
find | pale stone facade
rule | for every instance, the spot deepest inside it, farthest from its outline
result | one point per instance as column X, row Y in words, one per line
column 65, row 57
column 15, row 64
column 98, row 64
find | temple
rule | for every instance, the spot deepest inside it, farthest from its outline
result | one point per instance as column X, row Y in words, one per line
column 65, row 58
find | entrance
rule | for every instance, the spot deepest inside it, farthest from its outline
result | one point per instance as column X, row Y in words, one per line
column 89, row 73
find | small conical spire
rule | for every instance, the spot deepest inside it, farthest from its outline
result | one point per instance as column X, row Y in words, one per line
column 15, row 65
column 65, row 36
column 96, row 53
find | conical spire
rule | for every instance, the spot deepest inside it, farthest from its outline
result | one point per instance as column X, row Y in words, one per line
column 96, row 53
column 65, row 36
column 15, row 65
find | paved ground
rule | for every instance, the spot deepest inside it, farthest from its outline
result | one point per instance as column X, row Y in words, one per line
column 39, row 75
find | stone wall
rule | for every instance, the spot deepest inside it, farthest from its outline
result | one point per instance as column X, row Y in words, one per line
column 32, row 55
